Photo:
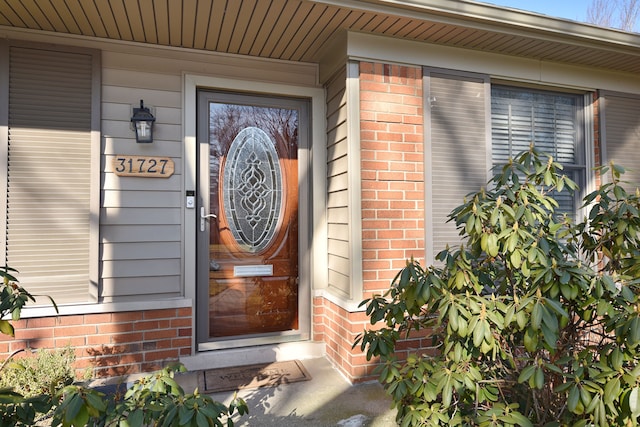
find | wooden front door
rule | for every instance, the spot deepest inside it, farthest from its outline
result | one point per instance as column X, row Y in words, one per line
column 248, row 217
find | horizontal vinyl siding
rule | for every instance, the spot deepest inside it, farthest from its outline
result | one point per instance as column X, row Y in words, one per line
column 337, row 184
column 622, row 134
column 141, row 229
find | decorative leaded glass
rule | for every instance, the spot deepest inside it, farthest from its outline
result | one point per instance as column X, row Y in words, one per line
column 252, row 189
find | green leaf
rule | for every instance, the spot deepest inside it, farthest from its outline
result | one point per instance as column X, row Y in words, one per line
column 82, row 417
column 7, row 328
column 548, row 318
column 536, row 316
column 453, row 318
column 186, row 416
column 530, row 340
column 526, row 373
column 634, row 402
column 478, row 334
column 136, row 418
column 73, row 408
column 617, row 359
column 617, row 169
column 573, row 399
column 201, row 420
column 611, row 390
column 550, row 336
column 585, row 396
column 521, row 319
column 492, row 245
column 520, row 419
column 539, row 378
column 609, row 283
column 447, row 393
column 516, row 259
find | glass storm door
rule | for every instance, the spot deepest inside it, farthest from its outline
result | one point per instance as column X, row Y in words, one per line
column 247, row 219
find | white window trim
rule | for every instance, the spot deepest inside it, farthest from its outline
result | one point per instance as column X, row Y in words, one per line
column 587, row 134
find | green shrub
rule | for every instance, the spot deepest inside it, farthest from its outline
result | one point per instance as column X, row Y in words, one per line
column 36, row 386
column 536, row 319
column 153, row 400
column 13, row 298
column 44, row 371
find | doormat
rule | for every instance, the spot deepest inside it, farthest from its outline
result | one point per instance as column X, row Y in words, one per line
column 252, row 376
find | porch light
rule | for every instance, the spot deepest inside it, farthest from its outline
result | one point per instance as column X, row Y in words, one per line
column 143, row 122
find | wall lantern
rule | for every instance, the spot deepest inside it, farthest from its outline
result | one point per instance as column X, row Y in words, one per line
column 143, row 122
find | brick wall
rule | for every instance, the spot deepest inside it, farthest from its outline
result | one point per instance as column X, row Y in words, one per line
column 109, row 344
column 597, row 136
column 391, row 138
column 338, row 328
column 392, row 144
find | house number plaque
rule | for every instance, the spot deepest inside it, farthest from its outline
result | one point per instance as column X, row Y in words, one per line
column 143, row 166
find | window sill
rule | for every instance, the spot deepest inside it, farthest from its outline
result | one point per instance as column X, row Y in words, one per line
column 109, row 307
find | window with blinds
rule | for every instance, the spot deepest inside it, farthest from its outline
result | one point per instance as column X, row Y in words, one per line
column 551, row 121
column 620, row 116
column 457, row 161
column 49, row 150
column 467, row 134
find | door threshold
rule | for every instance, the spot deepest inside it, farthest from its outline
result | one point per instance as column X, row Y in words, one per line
column 253, row 355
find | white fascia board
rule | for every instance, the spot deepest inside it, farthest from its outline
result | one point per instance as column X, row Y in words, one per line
column 501, row 19
column 369, row 47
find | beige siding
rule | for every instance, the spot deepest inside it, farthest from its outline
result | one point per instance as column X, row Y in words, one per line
column 138, row 224
column 141, row 217
column 621, row 117
column 337, row 184
column 457, row 156
column 141, row 229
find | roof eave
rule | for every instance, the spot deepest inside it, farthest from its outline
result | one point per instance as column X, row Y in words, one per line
column 491, row 17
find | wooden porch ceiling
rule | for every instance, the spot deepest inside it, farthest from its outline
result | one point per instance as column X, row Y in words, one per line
column 297, row 30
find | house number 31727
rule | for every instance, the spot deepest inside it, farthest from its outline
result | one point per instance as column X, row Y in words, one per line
column 143, row 166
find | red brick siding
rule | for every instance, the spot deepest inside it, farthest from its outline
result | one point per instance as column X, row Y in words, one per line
column 340, row 330
column 392, row 153
column 392, row 161
column 597, row 136
column 109, row 344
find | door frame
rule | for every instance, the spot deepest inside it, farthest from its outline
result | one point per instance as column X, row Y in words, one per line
column 312, row 206
column 302, row 332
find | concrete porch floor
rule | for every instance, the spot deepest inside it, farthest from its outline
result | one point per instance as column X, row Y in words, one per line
column 327, row 400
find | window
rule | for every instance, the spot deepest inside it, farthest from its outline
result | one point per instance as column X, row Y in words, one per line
column 620, row 118
column 472, row 125
column 553, row 122
column 49, row 209
column 457, row 142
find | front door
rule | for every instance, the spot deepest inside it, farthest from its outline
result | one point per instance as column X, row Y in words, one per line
column 248, row 219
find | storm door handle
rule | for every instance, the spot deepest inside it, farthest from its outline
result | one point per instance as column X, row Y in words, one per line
column 204, row 217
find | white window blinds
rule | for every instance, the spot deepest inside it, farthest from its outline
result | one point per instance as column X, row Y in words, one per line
column 551, row 121
column 457, row 153
column 621, row 119
column 49, row 172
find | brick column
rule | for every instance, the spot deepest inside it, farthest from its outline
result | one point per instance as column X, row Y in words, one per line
column 392, row 153
column 391, row 139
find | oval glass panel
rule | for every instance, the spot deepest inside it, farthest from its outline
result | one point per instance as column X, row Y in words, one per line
column 252, row 189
